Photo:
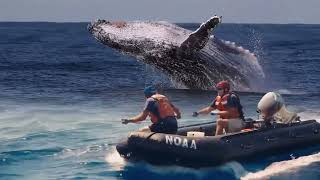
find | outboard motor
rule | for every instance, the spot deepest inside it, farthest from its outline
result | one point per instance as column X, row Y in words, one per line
column 272, row 106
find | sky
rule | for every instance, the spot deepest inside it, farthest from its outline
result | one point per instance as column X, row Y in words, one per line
column 177, row 11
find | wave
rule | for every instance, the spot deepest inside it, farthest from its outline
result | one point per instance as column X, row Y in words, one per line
column 77, row 152
column 310, row 114
column 25, row 152
column 230, row 170
column 18, row 156
column 277, row 168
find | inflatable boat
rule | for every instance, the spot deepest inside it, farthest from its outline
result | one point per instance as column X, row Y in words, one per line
column 196, row 145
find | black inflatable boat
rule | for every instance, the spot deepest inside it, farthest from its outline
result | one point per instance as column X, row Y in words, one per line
column 212, row 150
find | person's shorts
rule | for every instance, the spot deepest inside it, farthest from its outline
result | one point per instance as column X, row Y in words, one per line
column 168, row 126
column 235, row 125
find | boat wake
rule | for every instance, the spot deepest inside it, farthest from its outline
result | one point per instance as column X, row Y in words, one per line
column 233, row 168
column 116, row 162
column 310, row 114
column 230, row 170
column 282, row 167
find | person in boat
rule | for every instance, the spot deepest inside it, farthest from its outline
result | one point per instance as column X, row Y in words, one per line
column 272, row 109
column 230, row 114
column 162, row 112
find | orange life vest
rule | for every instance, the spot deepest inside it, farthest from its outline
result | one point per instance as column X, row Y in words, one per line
column 221, row 105
column 164, row 108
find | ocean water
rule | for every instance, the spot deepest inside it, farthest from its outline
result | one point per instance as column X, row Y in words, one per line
column 63, row 94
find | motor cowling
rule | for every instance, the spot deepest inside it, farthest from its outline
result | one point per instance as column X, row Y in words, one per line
column 274, row 105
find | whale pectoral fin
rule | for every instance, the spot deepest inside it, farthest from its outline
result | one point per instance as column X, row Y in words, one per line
column 199, row 38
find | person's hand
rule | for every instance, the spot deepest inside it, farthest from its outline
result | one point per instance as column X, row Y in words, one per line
column 195, row 114
column 178, row 116
column 125, row 121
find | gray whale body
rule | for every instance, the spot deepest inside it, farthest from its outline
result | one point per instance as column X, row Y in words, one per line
column 196, row 59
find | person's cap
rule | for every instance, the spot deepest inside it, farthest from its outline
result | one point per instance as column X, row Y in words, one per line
column 149, row 91
column 223, row 85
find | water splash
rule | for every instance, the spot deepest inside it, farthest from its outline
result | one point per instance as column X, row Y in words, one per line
column 310, row 114
column 227, row 54
column 158, row 78
column 231, row 170
column 289, row 166
column 116, row 162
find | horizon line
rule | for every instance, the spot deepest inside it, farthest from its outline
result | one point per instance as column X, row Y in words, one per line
column 160, row 20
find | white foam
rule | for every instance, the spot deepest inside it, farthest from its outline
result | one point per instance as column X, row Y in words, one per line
column 67, row 153
column 283, row 167
column 284, row 91
column 310, row 114
column 201, row 173
column 116, row 162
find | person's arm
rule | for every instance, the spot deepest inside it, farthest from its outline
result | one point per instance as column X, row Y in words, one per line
column 141, row 117
column 206, row 110
column 176, row 111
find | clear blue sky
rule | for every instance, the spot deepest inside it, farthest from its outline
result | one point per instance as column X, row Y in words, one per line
column 234, row 11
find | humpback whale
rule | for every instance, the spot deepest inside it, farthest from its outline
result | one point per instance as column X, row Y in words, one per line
column 196, row 59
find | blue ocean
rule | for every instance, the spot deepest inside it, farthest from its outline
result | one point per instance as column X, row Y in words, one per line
column 63, row 94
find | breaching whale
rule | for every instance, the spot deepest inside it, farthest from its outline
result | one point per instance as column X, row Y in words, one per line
column 196, row 59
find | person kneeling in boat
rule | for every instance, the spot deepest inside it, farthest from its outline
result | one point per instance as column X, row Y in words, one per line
column 163, row 114
column 272, row 109
column 230, row 115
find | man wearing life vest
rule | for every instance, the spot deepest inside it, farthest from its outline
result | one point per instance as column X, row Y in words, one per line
column 230, row 115
column 163, row 114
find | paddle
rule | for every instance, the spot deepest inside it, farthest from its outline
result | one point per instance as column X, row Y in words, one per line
column 197, row 124
column 195, row 114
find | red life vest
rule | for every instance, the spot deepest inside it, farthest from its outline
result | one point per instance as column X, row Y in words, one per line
column 164, row 108
column 221, row 105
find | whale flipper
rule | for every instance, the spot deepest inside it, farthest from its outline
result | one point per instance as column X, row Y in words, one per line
column 199, row 38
